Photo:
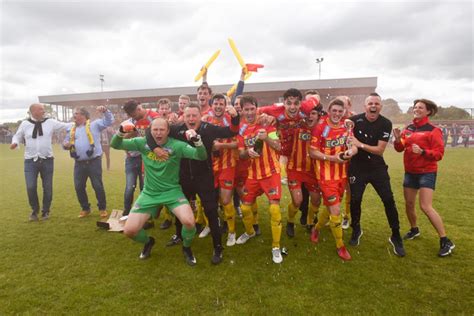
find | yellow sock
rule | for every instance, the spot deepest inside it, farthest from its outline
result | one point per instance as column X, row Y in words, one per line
column 275, row 218
column 336, row 228
column 283, row 170
column 200, row 217
column 229, row 212
column 255, row 213
column 247, row 218
column 347, row 209
column 292, row 210
column 323, row 217
column 313, row 211
column 166, row 214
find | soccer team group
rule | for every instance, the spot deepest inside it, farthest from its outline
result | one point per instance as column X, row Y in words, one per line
column 221, row 149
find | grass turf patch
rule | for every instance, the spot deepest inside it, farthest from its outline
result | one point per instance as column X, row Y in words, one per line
column 67, row 265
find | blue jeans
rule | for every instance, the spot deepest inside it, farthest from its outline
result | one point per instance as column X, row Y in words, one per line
column 45, row 168
column 420, row 180
column 89, row 169
column 133, row 171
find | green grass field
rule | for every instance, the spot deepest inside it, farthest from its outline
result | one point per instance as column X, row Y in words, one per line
column 67, row 266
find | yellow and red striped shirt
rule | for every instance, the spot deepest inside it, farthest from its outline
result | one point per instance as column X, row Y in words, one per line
column 299, row 159
column 224, row 158
column 268, row 162
column 330, row 139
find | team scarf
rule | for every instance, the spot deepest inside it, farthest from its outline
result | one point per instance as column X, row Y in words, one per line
column 72, row 140
column 38, row 129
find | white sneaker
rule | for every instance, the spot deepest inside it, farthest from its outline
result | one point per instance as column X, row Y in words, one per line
column 345, row 223
column 205, row 232
column 244, row 238
column 284, row 181
column 276, row 255
column 230, row 240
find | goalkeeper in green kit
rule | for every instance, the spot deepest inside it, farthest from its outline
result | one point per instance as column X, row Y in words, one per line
column 161, row 183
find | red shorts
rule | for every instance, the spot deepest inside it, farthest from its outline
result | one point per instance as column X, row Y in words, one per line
column 332, row 191
column 271, row 186
column 241, row 173
column 296, row 178
column 224, row 178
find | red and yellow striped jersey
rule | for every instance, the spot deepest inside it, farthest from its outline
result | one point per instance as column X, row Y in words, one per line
column 223, row 158
column 299, row 159
column 330, row 139
column 268, row 162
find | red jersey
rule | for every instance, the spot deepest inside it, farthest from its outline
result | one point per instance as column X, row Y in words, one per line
column 299, row 159
column 268, row 162
column 206, row 111
column 142, row 124
column 286, row 125
column 223, row 158
column 330, row 139
column 429, row 138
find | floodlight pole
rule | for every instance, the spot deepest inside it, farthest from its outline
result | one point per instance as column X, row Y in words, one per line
column 319, row 61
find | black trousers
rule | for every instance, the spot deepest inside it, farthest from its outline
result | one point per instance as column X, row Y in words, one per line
column 304, row 205
column 203, row 186
column 380, row 180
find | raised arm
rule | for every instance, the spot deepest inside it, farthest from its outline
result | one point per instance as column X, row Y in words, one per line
column 106, row 121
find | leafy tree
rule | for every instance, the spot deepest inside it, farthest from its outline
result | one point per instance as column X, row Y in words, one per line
column 391, row 108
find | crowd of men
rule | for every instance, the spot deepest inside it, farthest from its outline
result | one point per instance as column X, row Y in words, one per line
column 224, row 153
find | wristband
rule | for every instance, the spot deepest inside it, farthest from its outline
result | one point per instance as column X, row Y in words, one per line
column 197, row 140
column 120, row 134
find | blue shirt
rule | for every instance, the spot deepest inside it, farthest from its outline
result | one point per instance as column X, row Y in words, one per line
column 82, row 142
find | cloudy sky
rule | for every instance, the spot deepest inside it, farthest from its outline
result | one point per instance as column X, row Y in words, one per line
column 416, row 49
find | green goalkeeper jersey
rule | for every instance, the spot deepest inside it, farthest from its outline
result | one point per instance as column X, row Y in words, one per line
column 160, row 175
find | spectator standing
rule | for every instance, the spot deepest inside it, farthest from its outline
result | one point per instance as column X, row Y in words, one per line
column 83, row 143
column 422, row 145
column 37, row 132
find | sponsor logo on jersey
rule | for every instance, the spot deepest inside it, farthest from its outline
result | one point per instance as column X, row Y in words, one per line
column 305, row 136
column 151, row 155
column 330, row 143
column 250, row 142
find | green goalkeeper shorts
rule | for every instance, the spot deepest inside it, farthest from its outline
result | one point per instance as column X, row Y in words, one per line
column 150, row 204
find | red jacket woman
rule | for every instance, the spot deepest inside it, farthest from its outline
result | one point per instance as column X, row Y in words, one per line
column 426, row 136
column 423, row 145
